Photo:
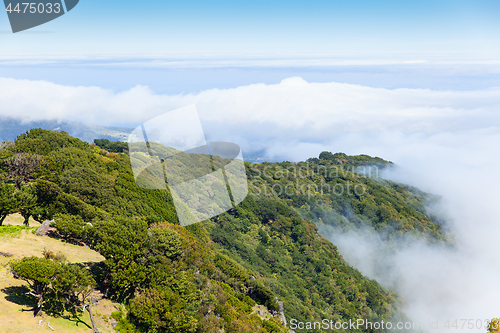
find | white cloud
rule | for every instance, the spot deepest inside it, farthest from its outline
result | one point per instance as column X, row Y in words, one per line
column 315, row 108
column 40, row 100
column 287, row 119
column 447, row 142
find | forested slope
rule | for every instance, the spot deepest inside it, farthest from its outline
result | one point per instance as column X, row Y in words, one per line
column 210, row 275
column 347, row 193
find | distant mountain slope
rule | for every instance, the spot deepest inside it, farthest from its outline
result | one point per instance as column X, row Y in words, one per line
column 10, row 128
column 346, row 192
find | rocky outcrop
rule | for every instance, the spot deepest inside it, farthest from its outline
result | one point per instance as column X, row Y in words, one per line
column 45, row 228
column 281, row 311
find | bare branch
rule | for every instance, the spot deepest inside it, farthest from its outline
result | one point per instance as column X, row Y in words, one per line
column 22, row 166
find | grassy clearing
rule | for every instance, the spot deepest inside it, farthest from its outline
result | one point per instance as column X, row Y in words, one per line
column 12, row 230
column 16, row 315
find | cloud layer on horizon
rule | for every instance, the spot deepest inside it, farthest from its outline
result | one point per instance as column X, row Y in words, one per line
column 313, row 111
column 289, row 120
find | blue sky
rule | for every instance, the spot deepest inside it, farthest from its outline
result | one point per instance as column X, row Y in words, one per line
column 190, row 46
column 96, row 27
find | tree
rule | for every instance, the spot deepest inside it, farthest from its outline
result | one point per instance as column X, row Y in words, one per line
column 166, row 242
column 71, row 227
column 5, row 154
column 115, row 147
column 39, row 273
column 41, row 141
column 7, row 201
column 92, row 186
column 6, row 145
column 68, row 282
column 162, row 311
column 26, row 199
column 123, row 243
column 21, row 167
column 326, row 155
column 75, row 285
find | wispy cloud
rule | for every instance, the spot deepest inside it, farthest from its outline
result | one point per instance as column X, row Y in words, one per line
column 252, row 60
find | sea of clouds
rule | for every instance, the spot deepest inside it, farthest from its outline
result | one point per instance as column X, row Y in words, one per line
column 444, row 142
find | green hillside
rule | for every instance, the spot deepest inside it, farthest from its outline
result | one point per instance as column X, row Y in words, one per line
column 346, row 192
column 213, row 275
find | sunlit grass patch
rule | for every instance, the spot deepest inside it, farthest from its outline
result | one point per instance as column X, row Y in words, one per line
column 12, row 230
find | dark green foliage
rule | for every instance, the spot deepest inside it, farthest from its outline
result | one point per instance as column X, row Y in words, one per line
column 162, row 311
column 39, row 273
column 301, row 268
column 93, row 187
column 115, row 147
column 346, row 196
column 42, row 142
column 123, row 242
column 57, row 286
column 73, row 282
column 26, row 202
column 8, row 203
column 263, row 295
column 166, row 242
column 93, row 197
column 70, row 227
column 72, row 286
column 326, row 158
column 71, row 177
column 231, row 268
column 170, row 278
column 264, row 237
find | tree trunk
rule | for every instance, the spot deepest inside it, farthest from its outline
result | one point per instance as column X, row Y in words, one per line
column 27, row 220
column 38, row 309
column 2, row 218
column 94, row 327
